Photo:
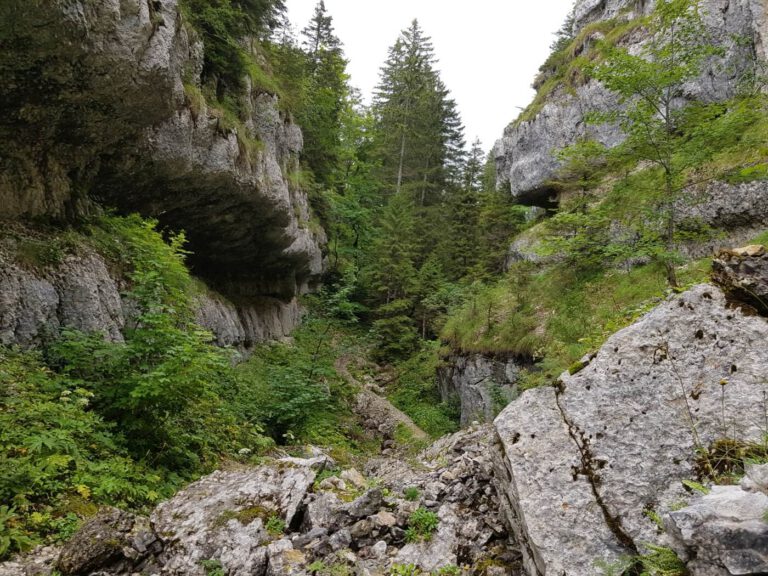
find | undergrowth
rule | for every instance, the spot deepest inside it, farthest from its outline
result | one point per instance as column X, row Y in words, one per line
column 555, row 315
column 90, row 422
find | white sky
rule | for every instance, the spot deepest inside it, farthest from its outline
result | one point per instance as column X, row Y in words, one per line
column 489, row 50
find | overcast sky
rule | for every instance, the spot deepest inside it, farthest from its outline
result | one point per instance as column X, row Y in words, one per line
column 488, row 50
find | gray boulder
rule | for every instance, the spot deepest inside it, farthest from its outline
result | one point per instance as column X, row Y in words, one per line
column 223, row 517
column 723, row 533
column 112, row 539
column 578, row 465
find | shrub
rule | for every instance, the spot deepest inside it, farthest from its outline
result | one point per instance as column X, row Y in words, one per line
column 59, row 458
column 421, row 525
column 411, row 493
column 275, row 525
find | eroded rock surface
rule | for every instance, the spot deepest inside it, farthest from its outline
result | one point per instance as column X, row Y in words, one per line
column 525, row 155
column 743, row 273
column 725, row 532
column 82, row 293
column 579, row 464
column 481, row 385
column 276, row 520
column 105, row 106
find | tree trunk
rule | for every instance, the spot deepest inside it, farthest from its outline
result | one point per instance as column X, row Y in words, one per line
column 669, row 232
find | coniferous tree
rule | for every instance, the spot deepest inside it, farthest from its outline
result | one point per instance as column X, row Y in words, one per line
column 460, row 246
column 419, row 133
column 325, row 88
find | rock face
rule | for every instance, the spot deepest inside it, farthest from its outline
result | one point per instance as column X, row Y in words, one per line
column 105, row 107
column 276, row 520
column 743, row 274
column 82, row 293
column 482, row 385
column 725, row 532
column 79, row 293
column 578, row 464
column 524, row 156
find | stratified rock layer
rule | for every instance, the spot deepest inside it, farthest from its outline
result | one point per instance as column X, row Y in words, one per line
column 725, row 532
column 82, row 293
column 579, row 464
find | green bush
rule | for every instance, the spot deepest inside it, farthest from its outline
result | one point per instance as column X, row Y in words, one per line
column 411, row 493
column 59, row 459
column 160, row 385
column 415, row 393
column 422, row 524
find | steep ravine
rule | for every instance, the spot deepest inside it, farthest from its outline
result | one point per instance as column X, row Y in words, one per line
column 568, row 479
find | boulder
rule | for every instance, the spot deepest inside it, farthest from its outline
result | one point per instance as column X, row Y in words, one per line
column 223, row 517
column 722, row 533
column 579, row 464
column 112, row 539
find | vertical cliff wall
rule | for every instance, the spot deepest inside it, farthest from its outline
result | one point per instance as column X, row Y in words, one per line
column 525, row 155
column 101, row 107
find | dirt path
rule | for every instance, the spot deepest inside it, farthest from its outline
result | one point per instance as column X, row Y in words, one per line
column 377, row 412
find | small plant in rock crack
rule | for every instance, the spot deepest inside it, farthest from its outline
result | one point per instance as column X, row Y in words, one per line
column 212, row 567
column 421, row 525
column 411, row 493
column 275, row 526
column 404, row 570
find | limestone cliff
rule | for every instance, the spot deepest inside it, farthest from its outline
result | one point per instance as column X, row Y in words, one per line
column 525, row 157
column 101, row 106
column 583, row 466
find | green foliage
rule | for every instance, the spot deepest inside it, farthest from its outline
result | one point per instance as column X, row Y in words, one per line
column 59, row 458
column 411, row 493
column 448, row 570
column 275, row 526
column 696, row 486
column 223, row 25
column 288, row 388
column 157, row 386
column 658, row 561
column 647, row 85
column 212, row 567
column 556, row 314
column 661, row 561
column 12, row 538
column 415, row 393
column 565, row 70
column 395, row 331
column 40, row 253
column 422, row 524
column 404, row 570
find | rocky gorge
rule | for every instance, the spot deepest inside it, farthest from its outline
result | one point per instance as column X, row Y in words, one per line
column 646, row 456
column 568, row 478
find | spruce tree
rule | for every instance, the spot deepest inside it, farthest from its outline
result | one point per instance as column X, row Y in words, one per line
column 419, row 132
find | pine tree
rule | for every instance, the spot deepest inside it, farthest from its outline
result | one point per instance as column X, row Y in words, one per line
column 420, row 136
column 325, row 88
column 460, row 248
column 319, row 36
